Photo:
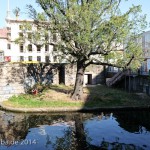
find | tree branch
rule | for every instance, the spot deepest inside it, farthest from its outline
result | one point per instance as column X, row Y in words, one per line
column 109, row 64
column 129, row 62
column 102, row 63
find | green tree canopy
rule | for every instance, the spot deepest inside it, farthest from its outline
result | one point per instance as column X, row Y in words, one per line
column 92, row 32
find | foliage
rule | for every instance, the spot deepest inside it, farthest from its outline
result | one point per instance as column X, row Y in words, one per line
column 93, row 31
column 16, row 11
column 39, row 76
column 68, row 141
column 32, row 35
column 90, row 32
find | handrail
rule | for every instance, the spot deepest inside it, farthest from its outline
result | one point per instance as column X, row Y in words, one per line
column 116, row 77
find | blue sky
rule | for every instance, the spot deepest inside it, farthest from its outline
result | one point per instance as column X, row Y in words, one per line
column 22, row 5
column 13, row 4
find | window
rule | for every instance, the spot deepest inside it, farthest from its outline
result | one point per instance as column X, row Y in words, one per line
column 30, row 36
column 9, row 28
column 54, row 37
column 21, row 58
column 55, row 58
column 21, row 35
column 20, row 27
column 1, row 56
column 54, row 48
column 30, row 48
column 46, row 48
column 46, row 37
column 21, row 48
column 9, row 35
column 47, row 59
column 38, row 48
column 29, row 27
column 30, row 58
column 39, row 58
column 8, row 46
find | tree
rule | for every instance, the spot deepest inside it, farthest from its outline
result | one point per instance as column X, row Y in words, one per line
column 92, row 32
column 16, row 12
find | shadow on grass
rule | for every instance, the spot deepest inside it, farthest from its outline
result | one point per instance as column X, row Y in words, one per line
column 18, row 127
column 62, row 88
column 102, row 96
column 94, row 96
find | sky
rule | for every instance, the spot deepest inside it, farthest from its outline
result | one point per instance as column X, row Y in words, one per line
column 22, row 5
column 12, row 5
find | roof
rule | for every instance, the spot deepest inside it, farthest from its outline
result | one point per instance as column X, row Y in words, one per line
column 3, row 33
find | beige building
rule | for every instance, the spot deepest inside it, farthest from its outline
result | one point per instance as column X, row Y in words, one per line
column 25, row 51
column 3, row 43
column 146, row 49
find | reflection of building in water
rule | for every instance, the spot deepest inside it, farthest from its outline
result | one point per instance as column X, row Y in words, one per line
column 99, row 116
column 134, row 122
column 75, row 130
column 117, row 145
column 12, row 127
column 15, row 127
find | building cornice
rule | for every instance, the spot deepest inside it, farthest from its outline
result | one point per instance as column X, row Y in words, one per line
column 19, row 21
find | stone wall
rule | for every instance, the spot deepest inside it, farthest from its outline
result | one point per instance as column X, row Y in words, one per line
column 70, row 74
column 95, row 72
column 14, row 77
column 11, row 80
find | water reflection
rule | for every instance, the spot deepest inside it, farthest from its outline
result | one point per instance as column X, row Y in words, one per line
column 119, row 131
column 78, row 131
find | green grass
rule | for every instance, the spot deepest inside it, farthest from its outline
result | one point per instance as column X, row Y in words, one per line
column 30, row 102
column 106, row 97
column 59, row 96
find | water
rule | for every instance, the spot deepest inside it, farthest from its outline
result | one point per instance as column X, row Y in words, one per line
column 122, row 130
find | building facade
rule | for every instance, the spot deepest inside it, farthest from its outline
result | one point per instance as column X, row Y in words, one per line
column 25, row 51
column 3, row 43
column 146, row 52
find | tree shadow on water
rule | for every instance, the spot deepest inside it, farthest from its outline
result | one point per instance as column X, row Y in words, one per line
column 74, row 135
column 68, row 130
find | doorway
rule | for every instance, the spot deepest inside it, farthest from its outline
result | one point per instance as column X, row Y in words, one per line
column 62, row 74
column 87, row 79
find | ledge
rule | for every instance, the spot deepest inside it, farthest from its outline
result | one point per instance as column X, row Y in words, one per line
column 42, row 110
column 73, row 109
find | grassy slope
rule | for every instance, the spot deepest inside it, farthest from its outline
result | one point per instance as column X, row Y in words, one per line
column 59, row 96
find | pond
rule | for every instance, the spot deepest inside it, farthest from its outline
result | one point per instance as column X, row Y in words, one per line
column 122, row 130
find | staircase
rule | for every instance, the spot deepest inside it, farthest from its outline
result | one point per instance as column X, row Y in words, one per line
column 117, row 77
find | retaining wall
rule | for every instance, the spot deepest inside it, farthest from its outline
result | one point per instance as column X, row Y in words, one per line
column 15, row 77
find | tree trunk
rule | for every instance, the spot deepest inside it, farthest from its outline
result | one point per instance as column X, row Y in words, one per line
column 78, row 88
